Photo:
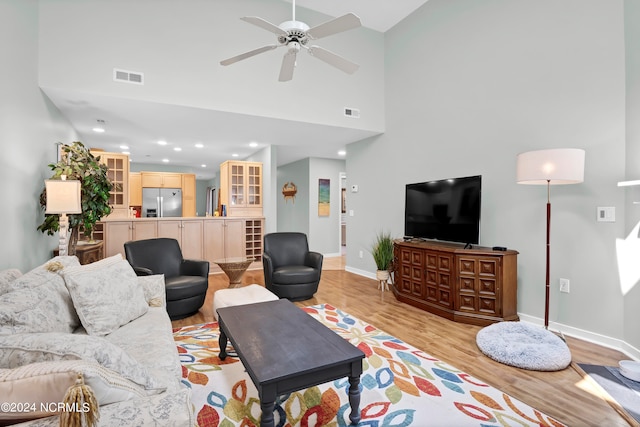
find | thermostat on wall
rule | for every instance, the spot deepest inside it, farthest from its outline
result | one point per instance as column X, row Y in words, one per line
column 354, row 188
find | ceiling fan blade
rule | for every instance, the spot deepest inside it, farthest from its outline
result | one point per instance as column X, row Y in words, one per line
column 248, row 54
column 288, row 65
column 266, row 25
column 334, row 59
column 337, row 25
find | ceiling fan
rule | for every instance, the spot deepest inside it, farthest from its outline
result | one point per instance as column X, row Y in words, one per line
column 295, row 35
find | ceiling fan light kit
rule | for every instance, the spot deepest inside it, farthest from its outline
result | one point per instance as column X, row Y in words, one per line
column 295, row 35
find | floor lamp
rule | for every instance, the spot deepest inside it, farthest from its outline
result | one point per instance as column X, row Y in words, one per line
column 550, row 167
column 63, row 197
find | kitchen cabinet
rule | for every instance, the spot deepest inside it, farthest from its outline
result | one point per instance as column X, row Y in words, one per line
column 206, row 238
column 161, row 180
column 135, row 189
column 231, row 238
column 117, row 233
column 118, row 174
column 187, row 232
column 188, row 194
column 241, row 188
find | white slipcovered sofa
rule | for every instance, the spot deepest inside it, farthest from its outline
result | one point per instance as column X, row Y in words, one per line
column 63, row 325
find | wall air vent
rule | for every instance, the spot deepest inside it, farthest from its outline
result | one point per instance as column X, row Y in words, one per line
column 352, row 112
column 125, row 76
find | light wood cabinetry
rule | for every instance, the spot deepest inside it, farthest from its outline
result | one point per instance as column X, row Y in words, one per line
column 188, row 194
column 209, row 238
column 241, row 188
column 117, row 233
column 187, row 232
column 161, row 180
column 135, row 189
column 477, row 286
column 118, row 174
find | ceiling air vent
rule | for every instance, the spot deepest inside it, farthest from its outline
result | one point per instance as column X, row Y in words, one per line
column 352, row 112
column 125, row 76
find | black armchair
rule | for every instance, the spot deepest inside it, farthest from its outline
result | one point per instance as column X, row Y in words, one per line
column 290, row 270
column 186, row 281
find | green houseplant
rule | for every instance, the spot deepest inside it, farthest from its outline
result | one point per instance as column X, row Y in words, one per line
column 77, row 162
column 382, row 252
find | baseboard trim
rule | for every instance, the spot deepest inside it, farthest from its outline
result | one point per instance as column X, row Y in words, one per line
column 592, row 337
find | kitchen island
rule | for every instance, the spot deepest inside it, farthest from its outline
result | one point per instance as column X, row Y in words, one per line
column 208, row 238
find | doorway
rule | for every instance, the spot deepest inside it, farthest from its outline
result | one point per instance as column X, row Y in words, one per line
column 343, row 213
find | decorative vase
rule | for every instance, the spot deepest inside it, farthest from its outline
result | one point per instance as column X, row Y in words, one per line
column 383, row 278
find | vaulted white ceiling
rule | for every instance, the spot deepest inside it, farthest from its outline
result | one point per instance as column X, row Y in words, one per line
column 223, row 134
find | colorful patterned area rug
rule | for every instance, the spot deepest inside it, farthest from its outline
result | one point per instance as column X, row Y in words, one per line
column 400, row 386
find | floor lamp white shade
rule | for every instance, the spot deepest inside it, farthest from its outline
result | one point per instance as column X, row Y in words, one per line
column 63, row 197
column 553, row 167
column 550, row 167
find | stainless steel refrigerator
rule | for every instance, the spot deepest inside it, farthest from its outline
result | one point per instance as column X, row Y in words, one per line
column 161, row 202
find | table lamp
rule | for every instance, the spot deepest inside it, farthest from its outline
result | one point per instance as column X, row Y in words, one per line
column 63, row 197
column 550, row 167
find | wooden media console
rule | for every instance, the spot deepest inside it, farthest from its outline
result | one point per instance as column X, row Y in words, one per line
column 477, row 286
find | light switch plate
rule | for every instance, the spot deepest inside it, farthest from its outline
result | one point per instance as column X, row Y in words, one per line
column 606, row 214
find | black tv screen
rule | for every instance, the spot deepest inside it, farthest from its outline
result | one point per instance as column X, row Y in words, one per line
column 447, row 209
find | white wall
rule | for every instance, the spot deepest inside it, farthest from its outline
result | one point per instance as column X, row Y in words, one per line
column 178, row 46
column 294, row 215
column 323, row 230
column 30, row 125
column 469, row 85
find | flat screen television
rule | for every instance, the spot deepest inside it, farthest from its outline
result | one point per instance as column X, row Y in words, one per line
column 447, row 209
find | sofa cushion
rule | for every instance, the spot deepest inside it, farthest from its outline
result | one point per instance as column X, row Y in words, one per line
column 153, row 288
column 39, row 301
column 22, row 349
column 6, row 277
column 39, row 387
column 105, row 294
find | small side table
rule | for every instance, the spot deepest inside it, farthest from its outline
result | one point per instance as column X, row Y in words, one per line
column 234, row 268
column 87, row 252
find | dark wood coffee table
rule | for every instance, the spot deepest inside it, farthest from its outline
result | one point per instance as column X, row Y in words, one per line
column 284, row 350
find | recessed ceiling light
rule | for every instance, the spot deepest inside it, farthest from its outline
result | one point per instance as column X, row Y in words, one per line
column 99, row 127
column 165, row 160
column 161, row 142
column 235, row 155
column 199, row 145
column 177, row 149
column 342, row 153
column 124, row 147
column 253, row 144
column 204, row 166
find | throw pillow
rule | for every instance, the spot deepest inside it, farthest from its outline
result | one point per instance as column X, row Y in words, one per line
column 6, row 277
column 23, row 349
column 105, row 294
column 36, row 389
column 154, row 289
column 39, row 301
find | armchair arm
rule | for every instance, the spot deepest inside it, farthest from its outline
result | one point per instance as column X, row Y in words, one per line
column 194, row 267
column 314, row 259
column 267, row 267
column 142, row 271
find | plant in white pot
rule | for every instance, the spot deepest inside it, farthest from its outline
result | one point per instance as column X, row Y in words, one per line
column 382, row 252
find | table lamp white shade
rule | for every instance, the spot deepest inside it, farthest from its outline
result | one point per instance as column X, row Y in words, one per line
column 63, row 196
column 551, row 167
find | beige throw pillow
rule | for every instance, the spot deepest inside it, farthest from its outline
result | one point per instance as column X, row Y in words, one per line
column 105, row 294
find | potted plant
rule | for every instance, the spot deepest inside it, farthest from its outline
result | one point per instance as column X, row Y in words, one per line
column 77, row 162
column 382, row 252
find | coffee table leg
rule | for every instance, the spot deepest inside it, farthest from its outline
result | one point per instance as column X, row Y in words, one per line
column 354, row 399
column 222, row 343
column 266, row 420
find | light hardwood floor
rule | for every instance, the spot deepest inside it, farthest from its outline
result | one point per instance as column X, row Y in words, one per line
column 564, row 395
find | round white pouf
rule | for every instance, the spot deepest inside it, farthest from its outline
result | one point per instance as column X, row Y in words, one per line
column 524, row 346
column 238, row 296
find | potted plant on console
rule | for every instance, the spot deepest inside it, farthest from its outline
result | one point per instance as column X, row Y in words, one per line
column 77, row 162
column 382, row 252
